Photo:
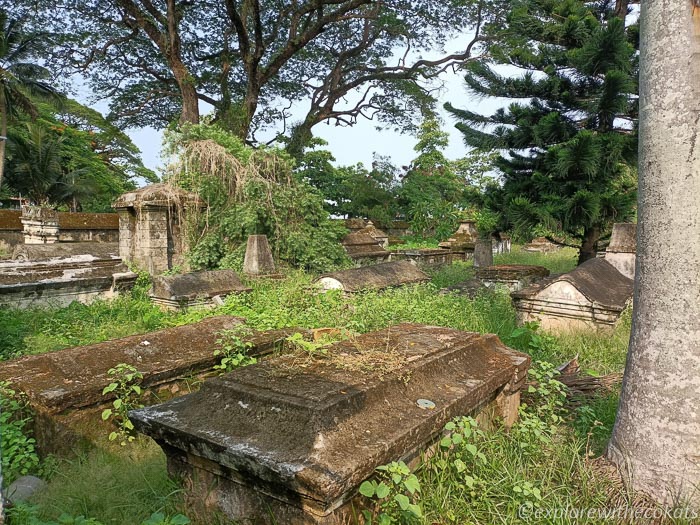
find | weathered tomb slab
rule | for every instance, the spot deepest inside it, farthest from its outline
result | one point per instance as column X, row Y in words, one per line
column 57, row 274
column 289, row 440
column 424, row 257
column 258, row 260
column 375, row 277
column 195, row 289
column 364, row 249
column 592, row 295
column 64, row 388
column 622, row 250
column 513, row 276
column 70, row 250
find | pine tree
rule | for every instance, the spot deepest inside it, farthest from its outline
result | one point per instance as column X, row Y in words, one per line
column 568, row 144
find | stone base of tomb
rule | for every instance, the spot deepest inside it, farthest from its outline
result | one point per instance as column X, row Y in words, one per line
column 278, row 442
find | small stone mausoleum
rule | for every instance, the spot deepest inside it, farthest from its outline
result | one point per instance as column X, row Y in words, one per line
column 151, row 224
column 592, row 295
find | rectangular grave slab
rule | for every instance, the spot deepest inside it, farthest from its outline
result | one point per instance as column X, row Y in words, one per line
column 374, row 277
column 513, row 276
column 64, row 388
column 290, row 439
column 195, row 289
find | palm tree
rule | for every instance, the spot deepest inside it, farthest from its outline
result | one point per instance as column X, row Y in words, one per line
column 35, row 163
column 20, row 80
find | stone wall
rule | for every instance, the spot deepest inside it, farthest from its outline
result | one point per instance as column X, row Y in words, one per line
column 72, row 227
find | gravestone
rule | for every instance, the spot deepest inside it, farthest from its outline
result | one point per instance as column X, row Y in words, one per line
column 375, row 277
column 513, row 276
column 195, row 289
column 277, row 442
column 622, row 250
column 40, row 225
column 258, row 257
column 592, row 295
column 64, row 388
column 151, row 224
column 55, row 275
column 483, row 252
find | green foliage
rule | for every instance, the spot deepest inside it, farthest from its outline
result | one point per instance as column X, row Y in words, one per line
column 71, row 157
column 251, row 191
column 431, row 195
column 17, row 447
column 127, row 391
column 25, row 514
column 395, row 494
column 233, row 350
column 568, row 146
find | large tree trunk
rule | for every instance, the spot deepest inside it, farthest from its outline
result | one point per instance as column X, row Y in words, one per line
column 190, row 100
column 656, row 438
column 589, row 245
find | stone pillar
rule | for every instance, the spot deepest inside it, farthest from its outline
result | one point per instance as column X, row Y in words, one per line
column 40, row 225
column 258, row 257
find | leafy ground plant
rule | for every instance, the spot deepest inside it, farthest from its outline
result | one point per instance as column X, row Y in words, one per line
column 19, row 456
column 24, row 514
column 233, row 349
column 125, row 386
column 393, row 494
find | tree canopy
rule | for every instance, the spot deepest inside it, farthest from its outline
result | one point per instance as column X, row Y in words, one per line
column 157, row 60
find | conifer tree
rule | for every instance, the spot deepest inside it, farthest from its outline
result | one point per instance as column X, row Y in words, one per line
column 568, row 143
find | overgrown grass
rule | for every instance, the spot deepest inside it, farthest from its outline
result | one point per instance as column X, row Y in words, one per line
column 560, row 261
column 128, row 488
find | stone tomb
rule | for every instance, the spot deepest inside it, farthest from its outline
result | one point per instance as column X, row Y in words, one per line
column 40, row 225
column 151, row 222
column 541, row 245
column 513, row 276
column 375, row 277
column 463, row 240
column 592, row 295
column 58, row 274
column 195, row 289
column 424, row 257
column 364, row 249
column 64, row 388
column 376, row 234
column 622, row 250
column 278, row 443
